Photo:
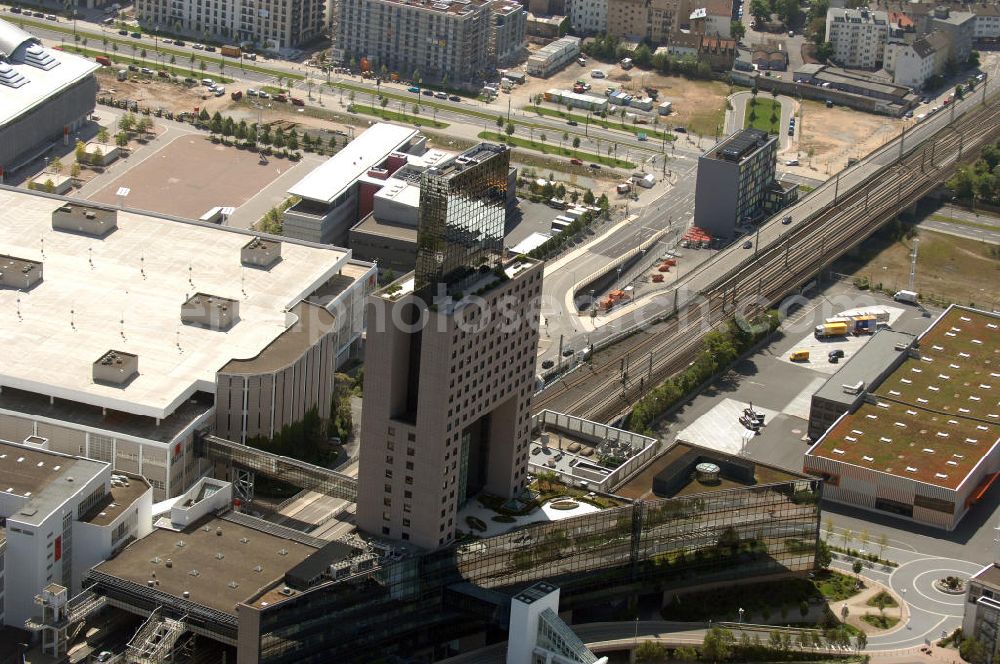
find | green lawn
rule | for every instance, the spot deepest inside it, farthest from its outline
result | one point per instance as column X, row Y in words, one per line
column 835, row 586
column 596, row 120
column 362, row 93
column 889, row 600
column 552, row 149
column 765, row 115
column 114, row 38
column 882, row 622
column 395, row 116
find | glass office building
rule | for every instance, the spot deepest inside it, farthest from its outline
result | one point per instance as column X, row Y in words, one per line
column 462, row 215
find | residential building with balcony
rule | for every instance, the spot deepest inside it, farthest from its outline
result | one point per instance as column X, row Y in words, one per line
column 858, row 36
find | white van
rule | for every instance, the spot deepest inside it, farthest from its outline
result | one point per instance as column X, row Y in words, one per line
column 208, row 83
column 598, row 73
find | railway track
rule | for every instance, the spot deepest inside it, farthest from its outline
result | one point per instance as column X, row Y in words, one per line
column 605, row 389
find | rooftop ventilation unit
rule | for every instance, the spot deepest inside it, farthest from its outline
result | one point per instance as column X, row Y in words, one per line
column 89, row 221
column 116, row 368
column 19, row 273
column 210, row 311
column 260, row 252
column 36, row 56
column 10, row 77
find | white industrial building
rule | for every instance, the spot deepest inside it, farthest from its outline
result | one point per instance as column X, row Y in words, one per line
column 858, row 36
column 142, row 314
column 552, row 57
column 577, row 100
column 330, row 193
column 63, row 515
column 44, row 95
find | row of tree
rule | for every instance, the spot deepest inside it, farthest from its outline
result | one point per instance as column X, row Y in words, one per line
column 719, row 349
column 980, row 182
column 720, row 644
column 609, row 47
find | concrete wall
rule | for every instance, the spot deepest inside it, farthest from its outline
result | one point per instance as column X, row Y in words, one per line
column 716, row 196
column 46, row 122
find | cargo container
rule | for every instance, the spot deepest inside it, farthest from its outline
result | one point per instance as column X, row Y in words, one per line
column 231, row 51
column 827, row 330
column 864, row 324
column 104, row 60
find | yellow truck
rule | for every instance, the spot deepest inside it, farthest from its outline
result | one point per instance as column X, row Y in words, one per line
column 828, row 330
column 799, row 356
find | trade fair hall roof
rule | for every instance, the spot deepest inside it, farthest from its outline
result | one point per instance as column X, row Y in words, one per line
column 31, row 74
column 937, row 415
column 124, row 292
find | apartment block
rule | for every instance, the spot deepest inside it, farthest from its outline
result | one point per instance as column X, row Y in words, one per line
column 958, row 27
column 268, row 24
column 589, row 16
column 733, row 181
column 449, row 362
column 858, row 36
column 507, row 45
column 435, row 39
column 911, row 63
column 655, row 21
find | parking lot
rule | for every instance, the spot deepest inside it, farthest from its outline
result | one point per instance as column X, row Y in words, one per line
column 190, row 175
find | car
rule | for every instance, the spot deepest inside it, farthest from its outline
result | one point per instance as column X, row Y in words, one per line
column 251, row 92
column 178, row 42
column 133, row 67
column 979, row 77
column 572, row 123
column 576, row 162
column 925, row 100
column 791, row 131
column 792, row 162
column 791, row 33
column 548, row 364
column 51, row 17
column 787, row 219
column 190, row 81
column 427, row 93
column 210, row 48
column 441, row 95
column 748, row 245
column 166, row 41
column 568, row 352
column 123, row 32
column 829, row 103
column 298, row 102
column 220, row 91
column 835, row 355
column 263, row 95
column 198, row 47
column 146, row 70
column 104, row 656
column 596, row 167
column 413, row 88
column 680, row 130
column 454, row 98
column 909, row 114
column 38, row 14
column 135, row 35
column 15, row 10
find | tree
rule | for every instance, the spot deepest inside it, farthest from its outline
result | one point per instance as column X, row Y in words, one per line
column 865, row 538
column 541, row 137
column 56, row 165
column 860, row 641
column 332, row 143
column 588, row 197
column 565, row 137
column 384, row 102
column 49, row 186
column 651, row 652
column 74, row 170
column 201, row 65
column 509, row 130
column 974, row 651
column 737, row 30
column 576, row 142
column 102, row 135
column 959, row 91
column 857, row 567
column 883, row 542
column 80, row 151
column 823, row 555
column 760, row 10
column 881, row 600
column 717, row 644
column 500, row 121
column 685, row 654
column 121, row 140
